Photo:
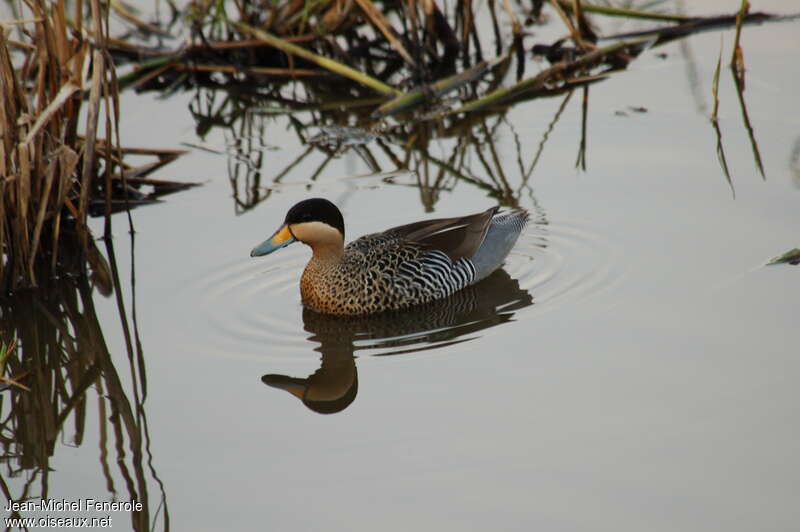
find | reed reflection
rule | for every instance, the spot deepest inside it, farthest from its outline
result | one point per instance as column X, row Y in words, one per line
column 56, row 351
column 434, row 109
column 458, row 318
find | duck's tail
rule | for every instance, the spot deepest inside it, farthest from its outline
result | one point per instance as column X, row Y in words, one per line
column 503, row 232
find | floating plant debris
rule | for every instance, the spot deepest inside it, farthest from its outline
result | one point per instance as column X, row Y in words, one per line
column 790, row 257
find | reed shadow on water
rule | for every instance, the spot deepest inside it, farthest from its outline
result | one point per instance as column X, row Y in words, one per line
column 453, row 320
column 61, row 362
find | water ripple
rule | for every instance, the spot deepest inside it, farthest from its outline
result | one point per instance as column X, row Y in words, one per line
column 252, row 307
column 562, row 262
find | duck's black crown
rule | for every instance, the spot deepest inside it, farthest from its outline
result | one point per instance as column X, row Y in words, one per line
column 316, row 210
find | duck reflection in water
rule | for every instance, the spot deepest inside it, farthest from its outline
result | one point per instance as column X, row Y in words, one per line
column 333, row 387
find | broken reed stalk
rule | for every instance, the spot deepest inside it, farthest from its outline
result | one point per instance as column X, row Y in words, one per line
column 573, row 31
column 737, row 61
column 738, row 71
column 50, row 174
column 385, row 27
column 723, row 162
column 715, row 87
column 580, row 161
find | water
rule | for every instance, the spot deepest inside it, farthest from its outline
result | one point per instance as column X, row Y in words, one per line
column 631, row 368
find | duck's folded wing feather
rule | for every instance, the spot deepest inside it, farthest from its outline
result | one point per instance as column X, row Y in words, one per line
column 458, row 237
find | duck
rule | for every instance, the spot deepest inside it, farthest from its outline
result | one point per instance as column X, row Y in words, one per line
column 396, row 269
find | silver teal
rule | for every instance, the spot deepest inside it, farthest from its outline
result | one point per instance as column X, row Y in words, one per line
column 399, row 268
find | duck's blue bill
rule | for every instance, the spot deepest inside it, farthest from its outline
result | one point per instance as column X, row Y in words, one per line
column 282, row 238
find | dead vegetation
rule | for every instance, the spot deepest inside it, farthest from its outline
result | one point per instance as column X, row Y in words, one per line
column 377, row 60
column 60, row 156
column 344, row 88
column 60, row 163
column 403, row 69
column 405, row 53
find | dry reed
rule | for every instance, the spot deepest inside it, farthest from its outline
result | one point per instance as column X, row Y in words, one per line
column 56, row 169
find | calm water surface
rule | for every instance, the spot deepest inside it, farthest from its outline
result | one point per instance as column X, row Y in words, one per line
column 634, row 366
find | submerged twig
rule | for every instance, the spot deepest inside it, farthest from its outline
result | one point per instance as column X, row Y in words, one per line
column 623, row 12
column 550, row 75
column 434, row 90
column 691, row 26
column 324, row 62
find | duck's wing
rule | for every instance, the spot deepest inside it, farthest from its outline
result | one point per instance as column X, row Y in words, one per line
column 458, row 237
